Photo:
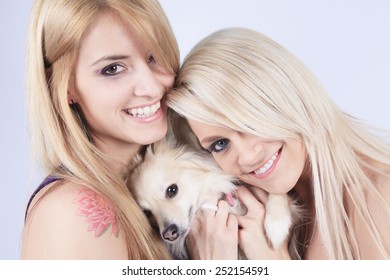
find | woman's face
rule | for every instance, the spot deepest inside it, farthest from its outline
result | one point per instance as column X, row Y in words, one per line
column 119, row 86
column 274, row 166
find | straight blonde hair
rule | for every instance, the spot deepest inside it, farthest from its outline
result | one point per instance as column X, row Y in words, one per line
column 242, row 80
column 56, row 29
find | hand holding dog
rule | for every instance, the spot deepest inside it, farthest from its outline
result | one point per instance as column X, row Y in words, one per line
column 214, row 235
column 252, row 238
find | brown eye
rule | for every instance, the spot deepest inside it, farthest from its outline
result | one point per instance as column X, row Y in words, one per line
column 112, row 69
column 148, row 214
column 172, row 191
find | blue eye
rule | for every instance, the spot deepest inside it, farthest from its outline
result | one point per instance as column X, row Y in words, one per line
column 112, row 69
column 219, row 145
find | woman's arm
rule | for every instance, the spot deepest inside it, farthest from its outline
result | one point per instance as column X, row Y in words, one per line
column 72, row 222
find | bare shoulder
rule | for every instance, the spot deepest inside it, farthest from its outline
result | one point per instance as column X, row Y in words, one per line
column 72, row 222
column 381, row 215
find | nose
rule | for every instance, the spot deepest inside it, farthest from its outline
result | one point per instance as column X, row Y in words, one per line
column 249, row 150
column 148, row 83
column 171, row 233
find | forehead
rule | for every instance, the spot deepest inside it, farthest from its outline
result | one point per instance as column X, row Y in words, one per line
column 204, row 130
column 108, row 35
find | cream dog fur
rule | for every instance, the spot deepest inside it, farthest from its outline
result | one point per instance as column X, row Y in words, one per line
column 173, row 182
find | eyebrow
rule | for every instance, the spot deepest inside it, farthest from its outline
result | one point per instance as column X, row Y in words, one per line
column 110, row 58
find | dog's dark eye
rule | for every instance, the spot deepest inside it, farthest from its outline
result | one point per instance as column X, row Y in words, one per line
column 148, row 213
column 172, row 191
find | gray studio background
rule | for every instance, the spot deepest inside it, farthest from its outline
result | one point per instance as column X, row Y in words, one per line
column 346, row 44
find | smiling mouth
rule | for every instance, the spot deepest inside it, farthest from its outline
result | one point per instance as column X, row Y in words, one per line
column 266, row 168
column 143, row 112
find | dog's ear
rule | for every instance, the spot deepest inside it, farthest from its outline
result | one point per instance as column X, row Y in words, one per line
column 150, row 150
column 136, row 160
column 167, row 143
column 171, row 141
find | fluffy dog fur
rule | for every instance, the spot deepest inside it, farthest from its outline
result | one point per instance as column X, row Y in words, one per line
column 172, row 183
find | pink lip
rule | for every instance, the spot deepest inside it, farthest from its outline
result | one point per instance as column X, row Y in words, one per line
column 272, row 168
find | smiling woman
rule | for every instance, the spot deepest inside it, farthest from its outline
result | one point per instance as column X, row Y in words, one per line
column 113, row 80
column 252, row 158
column 97, row 74
column 263, row 116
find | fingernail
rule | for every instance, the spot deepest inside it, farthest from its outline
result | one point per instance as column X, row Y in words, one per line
column 229, row 198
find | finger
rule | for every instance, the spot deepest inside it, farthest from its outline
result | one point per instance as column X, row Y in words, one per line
column 232, row 222
column 245, row 222
column 255, row 207
column 223, row 212
column 210, row 206
column 195, row 224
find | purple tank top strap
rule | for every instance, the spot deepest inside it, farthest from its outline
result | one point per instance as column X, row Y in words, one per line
column 48, row 180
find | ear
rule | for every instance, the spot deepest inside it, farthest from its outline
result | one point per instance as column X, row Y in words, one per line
column 72, row 91
column 71, row 98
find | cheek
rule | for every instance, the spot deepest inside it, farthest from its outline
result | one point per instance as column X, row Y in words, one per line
column 103, row 98
column 226, row 165
column 97, row 90
column 165, row 80
column 301, row 156
column 169, row 81
column 93, row 106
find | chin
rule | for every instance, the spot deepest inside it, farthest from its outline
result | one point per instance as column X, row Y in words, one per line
column 153, row 137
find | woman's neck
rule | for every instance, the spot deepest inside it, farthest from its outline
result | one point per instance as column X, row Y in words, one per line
column 120, row 155
column 304, row 190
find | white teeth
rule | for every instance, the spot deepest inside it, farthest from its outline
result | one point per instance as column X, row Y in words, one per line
column 267, row 165
column 145, row 111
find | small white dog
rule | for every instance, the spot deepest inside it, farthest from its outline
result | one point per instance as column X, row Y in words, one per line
column 172, row 183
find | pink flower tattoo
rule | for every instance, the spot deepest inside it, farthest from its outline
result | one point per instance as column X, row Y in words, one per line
column 98, row 213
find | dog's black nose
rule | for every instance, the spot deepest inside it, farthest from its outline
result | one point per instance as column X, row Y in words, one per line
column 171, row 233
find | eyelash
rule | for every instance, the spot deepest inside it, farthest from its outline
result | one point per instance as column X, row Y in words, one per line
column 105, row 70
column 213, row 147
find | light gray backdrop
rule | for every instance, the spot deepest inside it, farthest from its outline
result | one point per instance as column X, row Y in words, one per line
column 346, row 44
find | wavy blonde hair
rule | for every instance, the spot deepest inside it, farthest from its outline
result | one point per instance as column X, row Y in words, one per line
column 242, row 80
column 56, row 30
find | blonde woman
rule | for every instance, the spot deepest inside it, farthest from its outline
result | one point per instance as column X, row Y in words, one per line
column 97, row 75
column 264, row 118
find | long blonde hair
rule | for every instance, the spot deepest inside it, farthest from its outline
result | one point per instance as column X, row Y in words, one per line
column 56, row 30
column 242, row 80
